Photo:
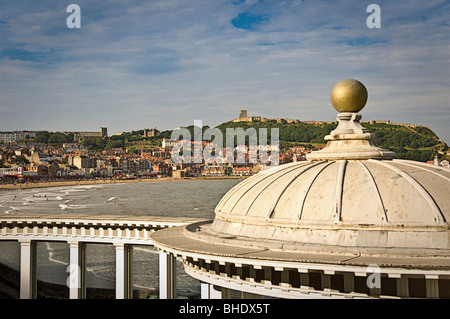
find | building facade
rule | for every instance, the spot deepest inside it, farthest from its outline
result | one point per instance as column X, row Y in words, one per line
column 16, row 136
column 79, row 136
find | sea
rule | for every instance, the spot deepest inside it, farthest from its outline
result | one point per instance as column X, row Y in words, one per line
column 179, row 198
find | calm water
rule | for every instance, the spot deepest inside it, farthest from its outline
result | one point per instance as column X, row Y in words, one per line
column 193, row 198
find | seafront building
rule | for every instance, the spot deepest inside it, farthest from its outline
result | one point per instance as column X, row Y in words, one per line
column 16, row 136
column 41, row 161
column 350, row 222
column 73, row 160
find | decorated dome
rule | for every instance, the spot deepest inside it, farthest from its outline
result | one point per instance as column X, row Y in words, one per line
column 365, row 205
column 349, row 197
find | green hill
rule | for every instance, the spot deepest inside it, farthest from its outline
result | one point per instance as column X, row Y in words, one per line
column 415, row 143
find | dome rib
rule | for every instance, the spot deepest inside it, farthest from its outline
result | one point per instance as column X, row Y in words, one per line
column 438, row 216
column 281, row 192
column 339, row 191
column 422, row 166
column 276, row 172
column 309, row 187
column 377, row 191
column 252, row 182
column 301, row 170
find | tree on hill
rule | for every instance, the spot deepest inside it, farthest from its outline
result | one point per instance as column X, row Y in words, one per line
column 53, row 138
column 418, row 143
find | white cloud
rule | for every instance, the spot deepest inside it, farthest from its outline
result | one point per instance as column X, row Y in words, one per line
column 165, row 63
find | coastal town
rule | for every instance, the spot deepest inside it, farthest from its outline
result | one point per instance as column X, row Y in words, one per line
column 24, row 160
column 40, row 156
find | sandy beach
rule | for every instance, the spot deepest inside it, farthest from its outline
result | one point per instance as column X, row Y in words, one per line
column 29, row 185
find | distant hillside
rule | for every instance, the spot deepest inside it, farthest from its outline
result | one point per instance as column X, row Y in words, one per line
column 416, row 143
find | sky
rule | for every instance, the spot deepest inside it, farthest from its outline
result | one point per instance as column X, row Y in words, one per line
column 167, row 63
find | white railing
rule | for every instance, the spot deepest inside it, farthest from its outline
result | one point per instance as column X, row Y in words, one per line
column 78, row 230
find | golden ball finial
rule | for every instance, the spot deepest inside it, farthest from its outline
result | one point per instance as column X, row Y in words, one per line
column 349, row 96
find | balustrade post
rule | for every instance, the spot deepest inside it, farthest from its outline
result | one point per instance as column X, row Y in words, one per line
column 402, row 286
column 209, row 292
column 432, row 286
column 77, row 269
column 124, row 275
column 167, row 276
column 28, row 284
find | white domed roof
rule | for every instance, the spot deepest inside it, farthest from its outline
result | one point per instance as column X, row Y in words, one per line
column 350, row 196
column 368, row 204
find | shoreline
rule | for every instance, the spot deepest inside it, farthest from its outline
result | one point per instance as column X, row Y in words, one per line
column 21, row 186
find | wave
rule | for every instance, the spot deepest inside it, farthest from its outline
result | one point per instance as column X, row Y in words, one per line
column 53, row 255
column 15, row 210
column 65, row 206
column 147, row 249
column 40, row 198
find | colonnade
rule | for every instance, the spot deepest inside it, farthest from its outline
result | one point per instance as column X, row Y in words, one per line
column 77, row 269
column 124, row 232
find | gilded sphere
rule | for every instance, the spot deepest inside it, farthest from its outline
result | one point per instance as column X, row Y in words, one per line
column 349, row 96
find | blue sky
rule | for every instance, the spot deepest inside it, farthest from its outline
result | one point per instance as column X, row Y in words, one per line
column 165, row 63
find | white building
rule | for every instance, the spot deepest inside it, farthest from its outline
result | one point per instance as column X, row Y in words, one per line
column 168, row 143
column 16, row 136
